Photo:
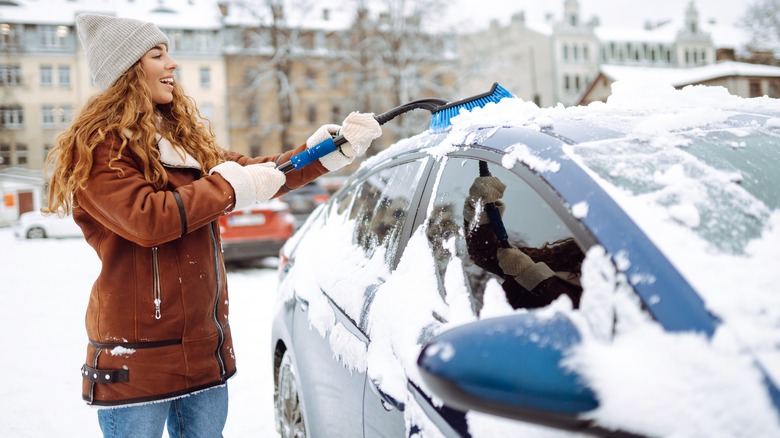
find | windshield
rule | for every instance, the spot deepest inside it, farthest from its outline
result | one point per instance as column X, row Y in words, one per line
column 720, row 181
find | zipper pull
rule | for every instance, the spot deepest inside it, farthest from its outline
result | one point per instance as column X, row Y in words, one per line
column 157, row 308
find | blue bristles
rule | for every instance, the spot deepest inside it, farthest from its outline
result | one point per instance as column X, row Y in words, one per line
column 440, row 118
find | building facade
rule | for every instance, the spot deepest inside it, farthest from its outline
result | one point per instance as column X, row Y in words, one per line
column 570, row 51
column 44, row 77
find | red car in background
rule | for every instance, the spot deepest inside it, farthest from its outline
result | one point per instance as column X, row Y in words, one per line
column 256, row 232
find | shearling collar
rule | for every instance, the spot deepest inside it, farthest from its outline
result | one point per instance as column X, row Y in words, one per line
column 171, row 155
column 174, row 156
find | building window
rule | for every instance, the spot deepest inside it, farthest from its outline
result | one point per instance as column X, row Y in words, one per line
column 56, row 117
column 11, row 117
column 585, row 54
column 205, row 77
column 565, row 52
column 577, row 83
column 755, row 88
column 21, row 154
column 203, row 40
column 311, row 77
column 311, row 114
column 255, row 148
column 5, row 154
column 207, row 114
column 252, row 114
column 63, row 73
column 334, row 79
column 47, row 76
column 174, row 39
column 47, row 148
column 566, row 82
column 67, row 114
column 774, row 88
column 10, row 36
column 10, row 75
column 47, row 116
column 52, row 37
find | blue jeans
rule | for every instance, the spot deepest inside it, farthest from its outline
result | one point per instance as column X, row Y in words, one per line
column 199, row 415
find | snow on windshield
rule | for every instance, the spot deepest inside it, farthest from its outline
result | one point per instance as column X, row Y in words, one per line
column 689, row 385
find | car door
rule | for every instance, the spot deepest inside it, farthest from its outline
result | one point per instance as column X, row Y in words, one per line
column 331, row 392
column 469, row 279
column 360, row 234
column 384, row 209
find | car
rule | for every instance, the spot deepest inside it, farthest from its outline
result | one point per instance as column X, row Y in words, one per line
column 36, row 225
column 622, row 282
column 256, row 232
column 305, row 199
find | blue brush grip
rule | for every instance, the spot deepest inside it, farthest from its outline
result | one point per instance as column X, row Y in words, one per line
column 313, row 153
column 497, row 224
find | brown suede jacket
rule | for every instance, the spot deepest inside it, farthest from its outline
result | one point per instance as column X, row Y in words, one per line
column 157, row 317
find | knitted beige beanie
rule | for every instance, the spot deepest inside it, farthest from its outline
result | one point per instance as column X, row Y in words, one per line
column 112, row 45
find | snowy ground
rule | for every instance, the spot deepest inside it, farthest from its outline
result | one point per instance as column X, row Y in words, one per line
column 44, row 286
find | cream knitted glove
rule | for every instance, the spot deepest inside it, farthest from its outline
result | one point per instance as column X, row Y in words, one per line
column 251, row 183
column 526, row 272
column 484, row 190
column 359, row 129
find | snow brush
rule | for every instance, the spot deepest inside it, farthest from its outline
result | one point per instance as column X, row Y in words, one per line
column 441, row 113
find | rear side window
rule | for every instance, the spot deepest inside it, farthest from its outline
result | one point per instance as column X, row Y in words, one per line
column 381, row 206
column 543, row 260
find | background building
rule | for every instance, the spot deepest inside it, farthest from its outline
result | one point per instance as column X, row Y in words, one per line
column 266, row 74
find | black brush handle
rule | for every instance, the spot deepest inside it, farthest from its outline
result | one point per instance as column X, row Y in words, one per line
column 297, row 161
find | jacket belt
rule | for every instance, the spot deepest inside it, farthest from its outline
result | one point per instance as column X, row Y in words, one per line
column 105, row 376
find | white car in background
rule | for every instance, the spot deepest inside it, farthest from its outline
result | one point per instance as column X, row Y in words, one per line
column 36, row 225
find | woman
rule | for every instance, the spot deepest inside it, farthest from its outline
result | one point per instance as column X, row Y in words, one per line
column 146, row 182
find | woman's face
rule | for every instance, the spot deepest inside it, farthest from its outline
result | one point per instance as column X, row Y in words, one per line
column 158, row 67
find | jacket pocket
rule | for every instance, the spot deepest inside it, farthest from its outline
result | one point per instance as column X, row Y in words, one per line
column 156, row 289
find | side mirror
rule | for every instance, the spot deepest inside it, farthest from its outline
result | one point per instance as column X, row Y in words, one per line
column 509, row 366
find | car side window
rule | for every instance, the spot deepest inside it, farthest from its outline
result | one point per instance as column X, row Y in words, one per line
column 537, row 262
column 381, row 207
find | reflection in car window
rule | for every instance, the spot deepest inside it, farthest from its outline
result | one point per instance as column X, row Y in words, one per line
column 381, row 207
column 542, row 261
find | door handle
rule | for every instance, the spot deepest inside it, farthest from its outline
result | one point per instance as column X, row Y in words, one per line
column 388, row 402
column 303, row 303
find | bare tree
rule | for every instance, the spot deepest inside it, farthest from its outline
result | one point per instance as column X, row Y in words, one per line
column 399, row 58
column 386, row 57
column 762, row 21
column 266, row 32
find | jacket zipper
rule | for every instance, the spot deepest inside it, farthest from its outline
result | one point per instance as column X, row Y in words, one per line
column 215, row 314
column 156, row 284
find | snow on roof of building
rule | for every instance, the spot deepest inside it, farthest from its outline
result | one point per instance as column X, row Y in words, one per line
column 313, row 15
column 685, row 76
column 175, row 14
